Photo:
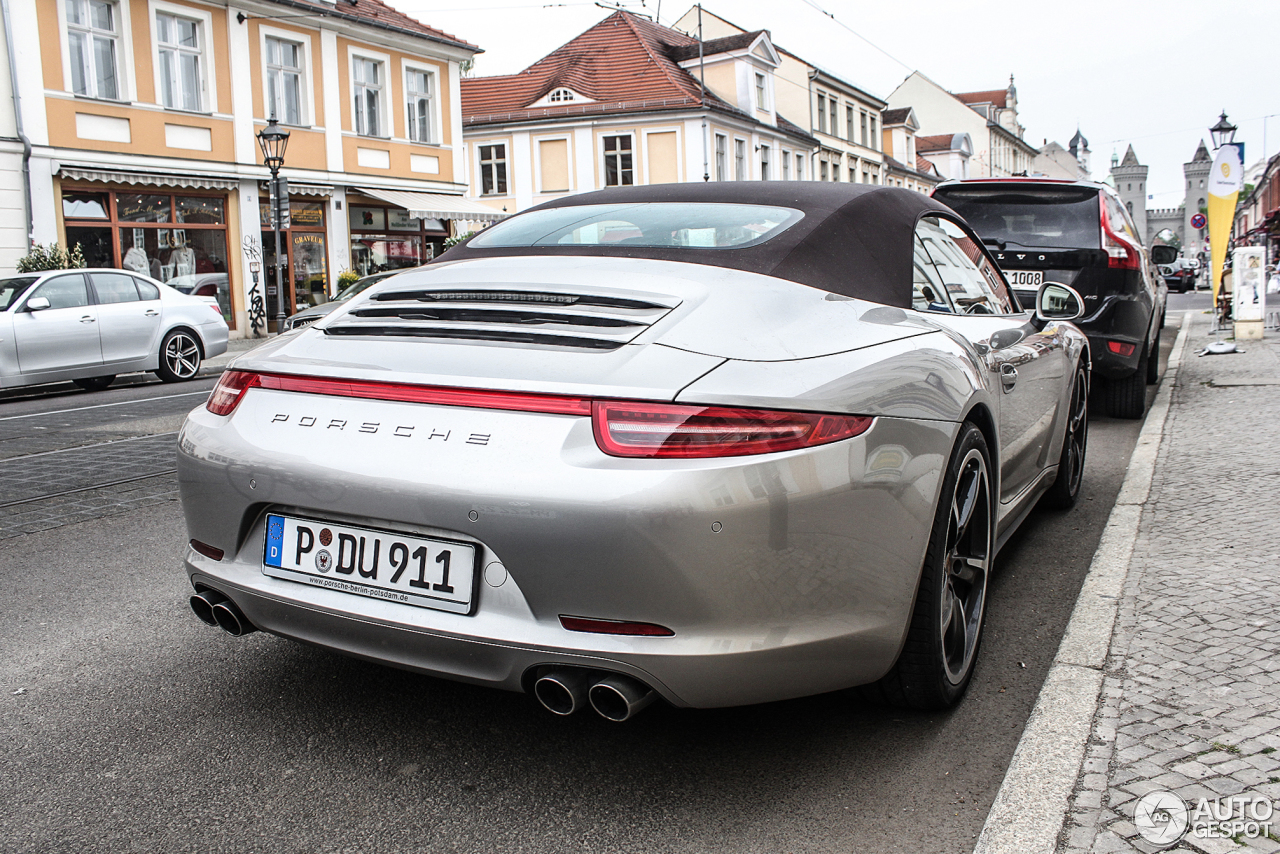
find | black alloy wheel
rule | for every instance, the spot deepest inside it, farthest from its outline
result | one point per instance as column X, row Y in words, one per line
column 1066, row 489
column 95, row 383
column 936, row 663
column 179, row 357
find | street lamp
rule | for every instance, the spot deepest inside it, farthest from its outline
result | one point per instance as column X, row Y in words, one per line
column 273, row 141
column 1223, row 133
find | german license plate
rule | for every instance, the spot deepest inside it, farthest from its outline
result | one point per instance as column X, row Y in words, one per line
column 1027, row 279
column 421, row 571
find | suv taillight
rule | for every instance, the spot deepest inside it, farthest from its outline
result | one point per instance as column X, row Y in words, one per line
column 1121, row 252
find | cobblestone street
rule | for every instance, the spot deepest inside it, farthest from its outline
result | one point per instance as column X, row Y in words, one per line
column 1191, row 698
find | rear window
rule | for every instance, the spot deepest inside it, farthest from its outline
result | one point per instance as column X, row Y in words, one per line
column 671, row 224
column 1059, row 218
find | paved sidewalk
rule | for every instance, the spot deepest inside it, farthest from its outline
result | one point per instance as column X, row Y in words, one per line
column 1190, row 699
column 236, row 346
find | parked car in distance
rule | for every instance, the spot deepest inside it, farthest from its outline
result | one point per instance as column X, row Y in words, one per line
column 89, row 325
column 211, row 287
column 720, row 443
column 1077, row 233
column 315, row 312
column 1178, row 275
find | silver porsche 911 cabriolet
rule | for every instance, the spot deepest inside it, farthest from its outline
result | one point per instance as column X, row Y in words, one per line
column 715, row 443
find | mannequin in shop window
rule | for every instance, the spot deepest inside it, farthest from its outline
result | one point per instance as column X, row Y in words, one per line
column 183, row 260
column 136, row 260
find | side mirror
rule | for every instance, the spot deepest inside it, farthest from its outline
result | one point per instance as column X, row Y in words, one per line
column 1056, row 301
column 37, row 304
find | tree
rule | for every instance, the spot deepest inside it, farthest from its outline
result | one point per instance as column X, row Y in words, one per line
column 51, row 257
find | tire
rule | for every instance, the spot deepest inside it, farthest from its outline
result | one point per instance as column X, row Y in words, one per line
column 1075, row 442
column 1153, row 361
column 1127, row 398
column 95, row 383
column 179, row 357
column 936, row 663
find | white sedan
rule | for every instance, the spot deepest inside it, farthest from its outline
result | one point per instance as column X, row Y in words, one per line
column 89, row 325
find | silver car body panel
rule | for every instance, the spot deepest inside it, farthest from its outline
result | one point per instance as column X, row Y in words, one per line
column 782, row 574
column 59, row 344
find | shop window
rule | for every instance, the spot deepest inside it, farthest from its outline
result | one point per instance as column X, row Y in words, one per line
column 177, row 239
column 85, row 206
column 181, row 62
column 419, row 91
column 92, row 41
column 368, row 93
column 140, row 207
column 284, row 81
column 384, row 239
column 493, row 170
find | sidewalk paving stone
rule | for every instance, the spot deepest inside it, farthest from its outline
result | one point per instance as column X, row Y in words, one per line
column 1191, row 697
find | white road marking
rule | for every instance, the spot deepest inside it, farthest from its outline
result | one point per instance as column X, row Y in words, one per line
column 101, row 405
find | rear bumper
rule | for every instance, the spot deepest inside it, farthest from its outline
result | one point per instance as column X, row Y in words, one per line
column 782, row 575
column 214, row 338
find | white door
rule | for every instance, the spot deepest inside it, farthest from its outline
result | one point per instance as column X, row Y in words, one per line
column 62, row 336
column 128, row 326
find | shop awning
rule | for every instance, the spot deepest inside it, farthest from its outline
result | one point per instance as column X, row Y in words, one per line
column 435, row 205
column 118, row 176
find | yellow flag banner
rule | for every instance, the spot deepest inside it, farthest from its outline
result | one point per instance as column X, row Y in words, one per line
column 1225, row 180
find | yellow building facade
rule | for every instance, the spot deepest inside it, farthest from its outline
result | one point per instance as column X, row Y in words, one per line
column 142, row 115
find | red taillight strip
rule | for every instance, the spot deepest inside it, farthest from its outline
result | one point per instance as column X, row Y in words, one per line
column 621, row 428
column 400, row 392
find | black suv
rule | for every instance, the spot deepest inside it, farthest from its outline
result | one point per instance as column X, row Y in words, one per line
column 1077, row 233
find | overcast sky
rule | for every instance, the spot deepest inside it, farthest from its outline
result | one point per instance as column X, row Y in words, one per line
column 1127, row 71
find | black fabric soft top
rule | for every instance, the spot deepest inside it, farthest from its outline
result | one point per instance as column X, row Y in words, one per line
column 854, row 240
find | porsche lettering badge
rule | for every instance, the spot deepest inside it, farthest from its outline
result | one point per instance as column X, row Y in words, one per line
column 402, row 431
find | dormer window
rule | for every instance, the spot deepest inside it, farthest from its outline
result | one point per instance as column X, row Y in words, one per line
column 560, row 95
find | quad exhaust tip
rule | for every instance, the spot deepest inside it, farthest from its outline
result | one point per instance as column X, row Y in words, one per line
column 214, row 609
column 614, row 697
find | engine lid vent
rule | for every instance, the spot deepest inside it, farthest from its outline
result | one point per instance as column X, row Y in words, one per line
column 588, row 321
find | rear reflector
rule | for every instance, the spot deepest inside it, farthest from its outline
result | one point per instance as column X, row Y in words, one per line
column 614, row 627
column 1121, row 348
column 625, row 429
column 622, row 428
column 207, row 550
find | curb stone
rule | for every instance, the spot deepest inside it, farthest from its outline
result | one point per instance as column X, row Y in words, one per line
column 1030, row 808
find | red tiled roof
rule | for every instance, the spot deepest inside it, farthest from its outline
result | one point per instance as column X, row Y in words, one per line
column 620, row 59
column 623, row 64
column 926, row 166
column 999, row 97
column 379, row 14
column 941, row 142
